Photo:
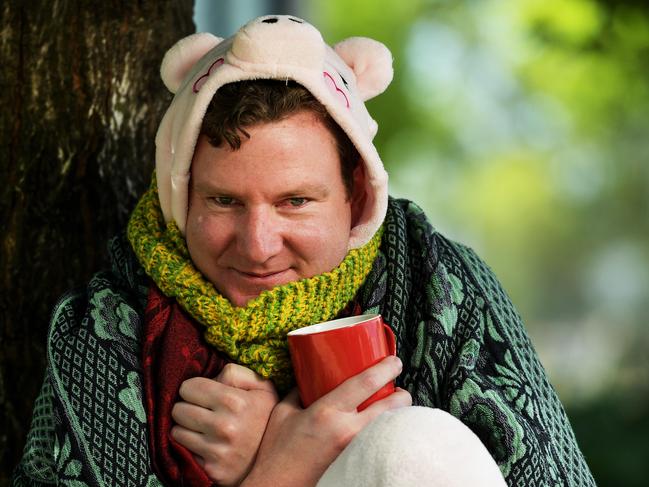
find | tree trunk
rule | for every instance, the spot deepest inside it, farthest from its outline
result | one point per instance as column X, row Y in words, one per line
column 81, row 98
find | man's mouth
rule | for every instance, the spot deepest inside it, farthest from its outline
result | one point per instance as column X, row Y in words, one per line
column 266, row 279
column 260, row 274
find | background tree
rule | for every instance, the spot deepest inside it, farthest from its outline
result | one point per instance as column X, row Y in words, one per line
column 81, row 98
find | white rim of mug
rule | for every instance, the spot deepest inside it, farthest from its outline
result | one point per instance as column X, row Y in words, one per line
column 334, row 324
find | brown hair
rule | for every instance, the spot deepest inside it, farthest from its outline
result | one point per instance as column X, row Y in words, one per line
column 242, row 104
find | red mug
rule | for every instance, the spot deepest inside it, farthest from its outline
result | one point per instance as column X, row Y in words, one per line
column 327, row 354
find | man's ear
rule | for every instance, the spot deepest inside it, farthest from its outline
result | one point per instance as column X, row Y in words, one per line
column 359, row 193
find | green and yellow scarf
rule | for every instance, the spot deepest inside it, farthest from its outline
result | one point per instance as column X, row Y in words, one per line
column 254, row 335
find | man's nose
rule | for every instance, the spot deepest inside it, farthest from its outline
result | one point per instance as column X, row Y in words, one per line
column 259, row 235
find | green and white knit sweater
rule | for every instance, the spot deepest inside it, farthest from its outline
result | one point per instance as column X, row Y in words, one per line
column 463, row 345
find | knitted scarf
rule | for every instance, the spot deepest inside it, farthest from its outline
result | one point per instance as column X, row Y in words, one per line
column 254, row 335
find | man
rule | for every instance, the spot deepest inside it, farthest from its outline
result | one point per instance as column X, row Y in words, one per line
column 268, row 212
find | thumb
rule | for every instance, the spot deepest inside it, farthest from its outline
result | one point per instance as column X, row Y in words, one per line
column 235, row 375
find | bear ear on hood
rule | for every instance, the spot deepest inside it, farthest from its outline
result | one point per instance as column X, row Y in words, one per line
column 182, row 56
column 371, row 63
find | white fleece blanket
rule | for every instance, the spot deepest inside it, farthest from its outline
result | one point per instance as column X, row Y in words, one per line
column 414, row 446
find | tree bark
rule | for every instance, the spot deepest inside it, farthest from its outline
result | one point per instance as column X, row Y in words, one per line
column 81, row 98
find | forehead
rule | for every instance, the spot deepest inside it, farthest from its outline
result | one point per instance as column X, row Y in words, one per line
column 298, row 147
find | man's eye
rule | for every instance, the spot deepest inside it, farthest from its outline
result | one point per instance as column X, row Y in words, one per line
column 297, row 202
column 223, row 200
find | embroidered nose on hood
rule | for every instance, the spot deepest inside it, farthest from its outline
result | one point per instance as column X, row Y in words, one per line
column 282, row 47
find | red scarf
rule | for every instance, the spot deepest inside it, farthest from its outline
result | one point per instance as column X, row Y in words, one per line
column 173, row 351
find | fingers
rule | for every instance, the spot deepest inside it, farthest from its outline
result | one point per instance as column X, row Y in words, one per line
column 222, row 392
column 199, row 460
column 214, row 426
column 241, row 377
column 192, row 417
column 351, row 393
column 202, row 391
column 398, row 399
column 193, row 441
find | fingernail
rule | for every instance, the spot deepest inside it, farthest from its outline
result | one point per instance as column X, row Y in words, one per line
column 399, row 362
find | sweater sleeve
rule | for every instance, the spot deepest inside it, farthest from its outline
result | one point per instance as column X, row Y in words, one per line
column 496, row 383
column 37, row 466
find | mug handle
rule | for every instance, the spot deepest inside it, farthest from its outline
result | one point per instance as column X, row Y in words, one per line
column 392, row 341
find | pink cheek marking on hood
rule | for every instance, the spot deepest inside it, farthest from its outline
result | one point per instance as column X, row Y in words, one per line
column 333, row 87
column 198, row 84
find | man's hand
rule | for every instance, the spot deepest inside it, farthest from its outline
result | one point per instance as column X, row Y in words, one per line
column 299, row 444
column 222, row 421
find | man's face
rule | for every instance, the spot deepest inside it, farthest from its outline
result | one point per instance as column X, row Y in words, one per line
column 274, row 211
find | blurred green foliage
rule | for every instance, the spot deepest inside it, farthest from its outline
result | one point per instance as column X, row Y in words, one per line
column 522, row 129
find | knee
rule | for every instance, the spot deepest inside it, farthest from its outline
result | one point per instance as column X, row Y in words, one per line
column 437, row 446
column 433, row 432
column 417, row 446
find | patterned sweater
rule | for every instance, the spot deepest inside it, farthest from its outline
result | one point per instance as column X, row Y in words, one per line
column 464, row 349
